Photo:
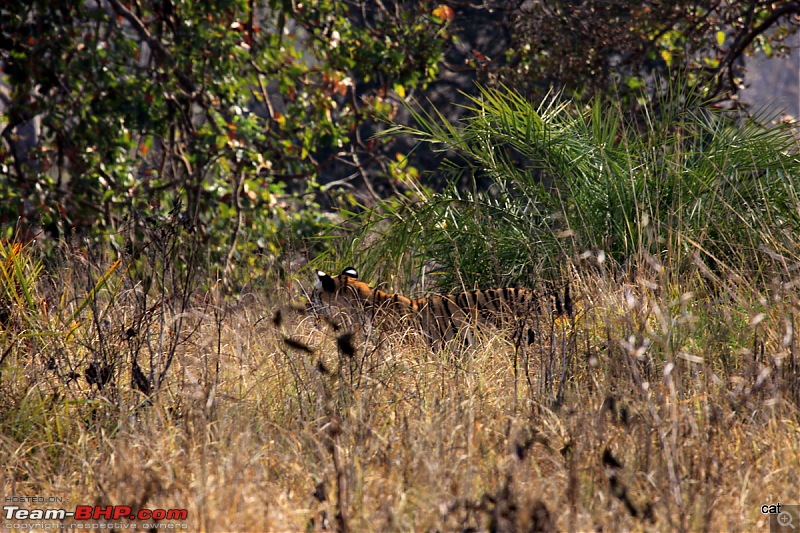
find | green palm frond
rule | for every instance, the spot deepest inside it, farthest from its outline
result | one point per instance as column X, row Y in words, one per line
column 679, row 179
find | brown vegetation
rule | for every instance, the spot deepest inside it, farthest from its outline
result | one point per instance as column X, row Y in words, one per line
column 655, row 408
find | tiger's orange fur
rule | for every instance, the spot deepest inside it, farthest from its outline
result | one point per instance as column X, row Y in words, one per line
column 440, row 318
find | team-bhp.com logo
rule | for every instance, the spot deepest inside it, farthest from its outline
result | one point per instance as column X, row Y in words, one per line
column 14, row 514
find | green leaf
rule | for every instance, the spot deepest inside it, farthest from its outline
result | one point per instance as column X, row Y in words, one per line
column 634, row 83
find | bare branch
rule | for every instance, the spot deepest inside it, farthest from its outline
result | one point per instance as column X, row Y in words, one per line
column 745, row 40
column 155, row 45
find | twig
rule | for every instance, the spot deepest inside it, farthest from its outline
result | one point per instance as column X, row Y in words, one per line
column 155, row 44
column 741, row 44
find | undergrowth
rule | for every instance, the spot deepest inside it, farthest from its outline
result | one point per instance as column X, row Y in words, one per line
column 661, row 405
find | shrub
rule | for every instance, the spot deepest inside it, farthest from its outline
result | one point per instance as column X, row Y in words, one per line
column 683, row 183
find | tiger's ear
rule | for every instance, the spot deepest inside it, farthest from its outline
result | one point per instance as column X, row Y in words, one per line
column 325, row 282
column 350, row 272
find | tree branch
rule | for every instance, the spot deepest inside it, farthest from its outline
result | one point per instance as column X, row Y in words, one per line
column 745, row 40
column 155, row 45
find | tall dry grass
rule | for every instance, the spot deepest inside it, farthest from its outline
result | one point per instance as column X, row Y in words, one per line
column 660, row 406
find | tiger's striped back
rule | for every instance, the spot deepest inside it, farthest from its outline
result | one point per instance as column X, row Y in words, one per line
column 440, row 318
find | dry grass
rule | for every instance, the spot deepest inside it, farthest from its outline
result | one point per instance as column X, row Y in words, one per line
column 677, row 411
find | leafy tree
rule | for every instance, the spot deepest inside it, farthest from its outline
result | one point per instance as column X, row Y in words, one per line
column 220, row 117
column 600, row 46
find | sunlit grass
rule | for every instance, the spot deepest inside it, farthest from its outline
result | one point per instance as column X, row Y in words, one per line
column 694, row 397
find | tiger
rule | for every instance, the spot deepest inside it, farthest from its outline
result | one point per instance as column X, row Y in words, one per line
column 440, row 318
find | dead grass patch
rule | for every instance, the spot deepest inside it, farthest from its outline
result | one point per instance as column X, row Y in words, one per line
column 655, row 409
